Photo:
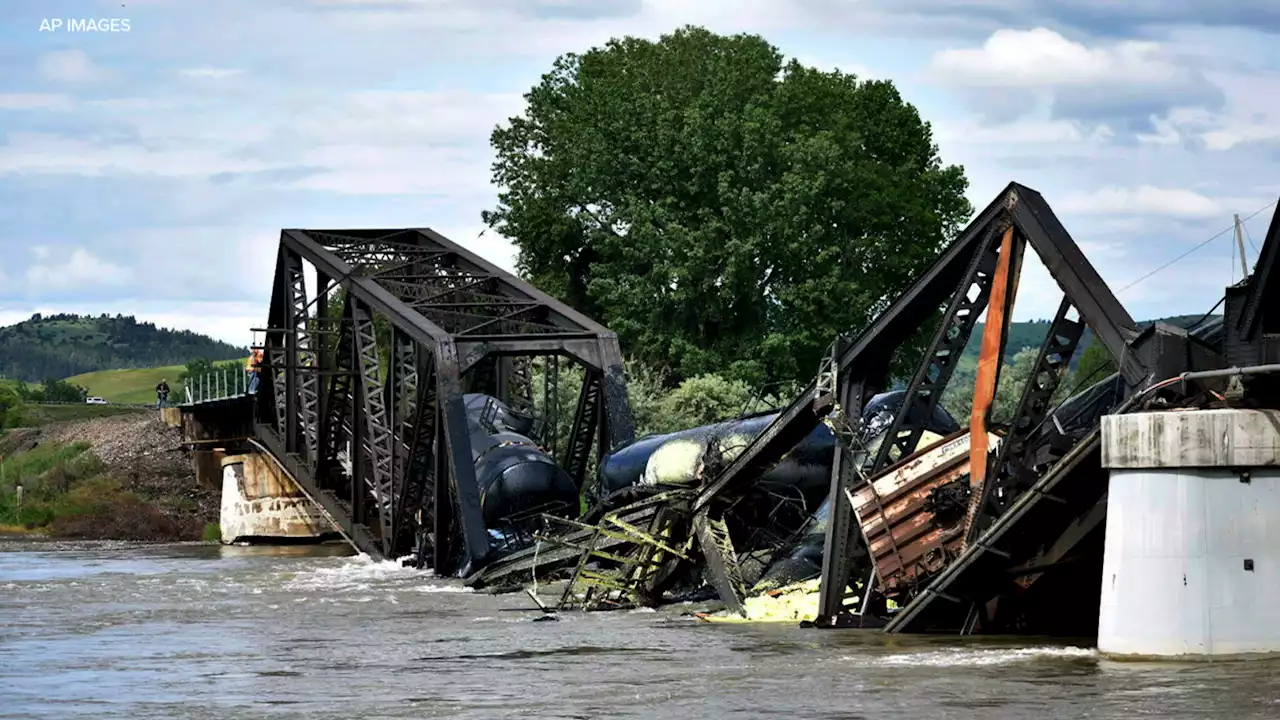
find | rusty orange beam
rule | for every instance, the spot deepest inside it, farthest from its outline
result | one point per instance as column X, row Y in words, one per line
column 984, row 391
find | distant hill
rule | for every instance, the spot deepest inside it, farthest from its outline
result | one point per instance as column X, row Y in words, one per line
column 59, row 346
column 1031, row 335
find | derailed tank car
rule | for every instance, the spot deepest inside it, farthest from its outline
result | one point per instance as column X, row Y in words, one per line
column 784, row 518
column 518, row 480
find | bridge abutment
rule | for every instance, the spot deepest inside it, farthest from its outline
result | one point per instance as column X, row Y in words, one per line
column 1191, row 567
column 261, row 503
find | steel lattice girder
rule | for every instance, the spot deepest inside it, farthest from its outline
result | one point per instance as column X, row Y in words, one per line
column 1026, row 215
column 867, row 358
column 381, row 441
column 862, row 366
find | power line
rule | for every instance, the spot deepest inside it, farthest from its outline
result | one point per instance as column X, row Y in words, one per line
column 1197, row 247
column 1252, row 244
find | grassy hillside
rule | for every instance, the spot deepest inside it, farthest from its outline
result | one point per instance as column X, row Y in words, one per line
column 130, row 386
column 59, row 346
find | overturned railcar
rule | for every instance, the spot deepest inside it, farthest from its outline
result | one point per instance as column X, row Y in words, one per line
column 518, row 479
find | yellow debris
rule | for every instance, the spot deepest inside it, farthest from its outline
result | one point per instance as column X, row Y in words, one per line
column 793, row 603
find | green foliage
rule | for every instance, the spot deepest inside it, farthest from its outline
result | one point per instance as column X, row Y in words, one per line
column 197, row 367
column 53, row 390
column 723, row 212
column 9, row 399
column 647, row 392
column 45, row 472
column 26, row 466
column 562, row 402
column 227, row 377
column 700, row 400
column 957, row 399
column 66, row 345
column 69, row 492
column 1013, row 379
column 212, row 532
column 1031, row 334
column 1095, row 364
column 655, row 407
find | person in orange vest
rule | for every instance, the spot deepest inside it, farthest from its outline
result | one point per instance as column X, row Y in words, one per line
column 254, row 366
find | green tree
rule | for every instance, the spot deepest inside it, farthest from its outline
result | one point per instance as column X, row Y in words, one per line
column 63, row 391
column 724, row 212
column 195, row 368
column 9, row 400
column 1094, row 365
column 1014, row 377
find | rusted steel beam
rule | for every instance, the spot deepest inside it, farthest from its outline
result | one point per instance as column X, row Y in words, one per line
column 989, row 362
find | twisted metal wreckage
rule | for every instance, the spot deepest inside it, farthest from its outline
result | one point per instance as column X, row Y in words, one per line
column 411, row 419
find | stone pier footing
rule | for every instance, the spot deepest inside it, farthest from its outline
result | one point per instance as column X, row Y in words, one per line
column 1192, row 560
column 260, row 503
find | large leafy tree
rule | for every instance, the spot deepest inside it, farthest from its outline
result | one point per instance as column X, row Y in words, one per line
column 721, row 210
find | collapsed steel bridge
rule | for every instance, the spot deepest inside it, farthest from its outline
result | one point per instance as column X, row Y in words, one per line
column 1003, row 535
column 364, row 378
column 366, row 407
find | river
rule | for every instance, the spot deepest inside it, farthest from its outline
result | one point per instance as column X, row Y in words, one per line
column 111, row 630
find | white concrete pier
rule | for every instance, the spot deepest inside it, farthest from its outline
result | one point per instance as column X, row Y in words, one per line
column 260, row 503
column 1192, row 560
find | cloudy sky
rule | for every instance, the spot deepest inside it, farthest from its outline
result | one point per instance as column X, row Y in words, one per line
column 150, row 171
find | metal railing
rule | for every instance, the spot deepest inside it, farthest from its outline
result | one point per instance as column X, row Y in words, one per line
column 218, row 385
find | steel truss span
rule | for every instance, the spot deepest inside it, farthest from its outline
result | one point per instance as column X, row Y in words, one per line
column 374, row 340
column 877, row 541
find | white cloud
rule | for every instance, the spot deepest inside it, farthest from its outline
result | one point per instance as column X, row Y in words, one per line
column 1251, row 115
column 36, row 101
column 81, row 270
column 210, row 73
column 519, row 28
column 36, row 153
column 1229, row 137
column 1028, row 132
column 1040, row 57
column 1146, row 200
column 70, row 67
column 1017, row 72
column 365, row 143
column 395, row 118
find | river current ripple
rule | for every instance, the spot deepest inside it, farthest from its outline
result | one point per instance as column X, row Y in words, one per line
column 198, row 631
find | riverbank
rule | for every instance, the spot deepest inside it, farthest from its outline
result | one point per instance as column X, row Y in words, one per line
column 124, row 477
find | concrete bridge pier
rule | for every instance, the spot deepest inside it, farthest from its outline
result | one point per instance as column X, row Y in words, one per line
column 1191, row 567
column 260, row 503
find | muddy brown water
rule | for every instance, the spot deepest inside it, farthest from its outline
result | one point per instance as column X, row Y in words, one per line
column 196, row 631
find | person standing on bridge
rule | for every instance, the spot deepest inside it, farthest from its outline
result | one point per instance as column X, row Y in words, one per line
column 254, row 367
column 162, row 394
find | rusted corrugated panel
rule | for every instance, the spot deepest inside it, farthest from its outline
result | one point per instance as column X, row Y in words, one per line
column 903, row 536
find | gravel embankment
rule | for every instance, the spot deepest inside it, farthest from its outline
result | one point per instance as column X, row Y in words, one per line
column 147, row 458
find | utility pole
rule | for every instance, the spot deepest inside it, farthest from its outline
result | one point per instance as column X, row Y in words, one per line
column 1244, row 264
